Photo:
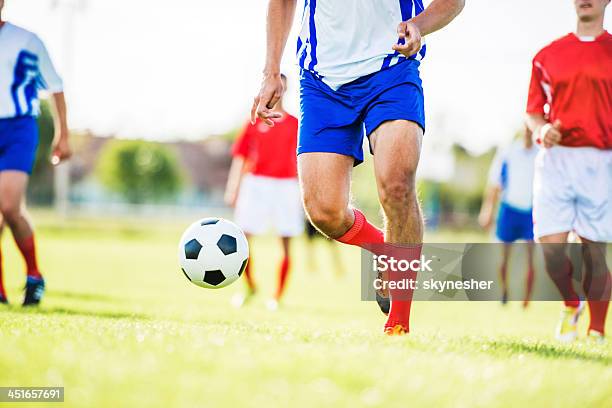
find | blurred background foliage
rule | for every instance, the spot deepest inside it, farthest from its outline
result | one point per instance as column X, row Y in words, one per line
column 142, row 172
column 139, row 171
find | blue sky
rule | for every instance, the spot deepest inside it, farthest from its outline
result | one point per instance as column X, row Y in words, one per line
column 189, row 68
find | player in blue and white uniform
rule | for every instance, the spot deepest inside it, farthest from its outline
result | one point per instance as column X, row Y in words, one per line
column 359, row 63
column 511, row 184
column 25, row 69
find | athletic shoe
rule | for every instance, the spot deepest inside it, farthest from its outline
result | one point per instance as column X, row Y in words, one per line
column 596, row 336
column 272, row 305
column 382, row 297
column 504, row 299
column 397, row 330
column 383, row 303
column 3, row 300
column 240, row 299
column 567, row 330
column 34, row 290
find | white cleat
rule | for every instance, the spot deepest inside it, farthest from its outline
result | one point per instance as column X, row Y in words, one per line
column 272, row 305
column 567, row 329
column 597, row 337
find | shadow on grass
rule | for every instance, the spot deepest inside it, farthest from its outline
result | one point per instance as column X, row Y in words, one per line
column 83, row 296
column 79, row 313
column 546, row 351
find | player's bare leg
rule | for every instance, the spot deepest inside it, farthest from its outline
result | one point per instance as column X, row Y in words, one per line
column 325, row 182
column 559, row 268
column 397, row 146
column 503, row 271
column 12, row 192
column 283, row 273
column 12, row 206
column 530, row 274
column 240, row 299
column 597, row 285
column 3, row 298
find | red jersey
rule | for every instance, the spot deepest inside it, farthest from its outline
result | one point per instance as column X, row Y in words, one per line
column 573, row 77
column 270, row 151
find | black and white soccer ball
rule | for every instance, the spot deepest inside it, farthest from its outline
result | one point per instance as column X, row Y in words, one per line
column 213, row 253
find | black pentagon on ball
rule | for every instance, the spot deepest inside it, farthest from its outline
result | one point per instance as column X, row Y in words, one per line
column 227, row 244
column 209, row 221
column 192, row 249
column 243, row 267
column 214, row 277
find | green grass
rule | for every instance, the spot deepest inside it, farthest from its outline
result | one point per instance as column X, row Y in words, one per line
column 121, row 326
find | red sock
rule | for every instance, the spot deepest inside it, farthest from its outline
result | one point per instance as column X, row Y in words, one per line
column 2, row 292
column 599, row 311
column 283, row 272
column 401, row 299
column 28, row 250
column 598, row 295
column 363, row 234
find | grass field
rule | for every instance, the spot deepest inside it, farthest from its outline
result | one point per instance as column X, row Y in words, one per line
column 121, row 326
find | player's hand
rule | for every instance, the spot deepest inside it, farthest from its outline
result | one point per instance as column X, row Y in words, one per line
column 485, row 219
column 411, row 36
column 61, row 149
column 270, row 93
column 551, row 134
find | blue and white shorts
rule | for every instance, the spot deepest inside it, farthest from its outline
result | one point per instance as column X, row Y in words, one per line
column 18, row 143
column 336, row 121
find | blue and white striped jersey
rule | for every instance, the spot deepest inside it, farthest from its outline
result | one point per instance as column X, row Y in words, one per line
column 342, row 40
column 25, row 68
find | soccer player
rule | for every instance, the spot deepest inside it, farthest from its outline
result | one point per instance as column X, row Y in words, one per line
column 264, row 189
column 511, row 184
column 25, row 68
column 570, row 112
column 359, row 63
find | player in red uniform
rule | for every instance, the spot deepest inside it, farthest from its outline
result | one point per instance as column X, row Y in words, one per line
column 570, row 113
column 264, row 189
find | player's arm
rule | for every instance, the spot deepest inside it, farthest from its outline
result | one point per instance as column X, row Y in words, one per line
column 52, row 83
column 489, row 204
column 279, row 21
column 61, row 146
column 544, row 133
column 234, row 180
column 492, row 191
column 435, row 17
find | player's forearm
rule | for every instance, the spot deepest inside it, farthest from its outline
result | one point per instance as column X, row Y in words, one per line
column 235, row 176
column 535, row 122
column 438, row 15
column 60, row 116
column 279, row 21
column 490, row 199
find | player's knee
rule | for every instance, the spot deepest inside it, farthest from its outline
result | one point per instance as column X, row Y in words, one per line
column 397, row 192
column 328, row 218
column 11, row 212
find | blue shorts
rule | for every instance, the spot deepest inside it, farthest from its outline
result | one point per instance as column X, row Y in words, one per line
column 18, row 143
column 335, row 121
column 514, row 224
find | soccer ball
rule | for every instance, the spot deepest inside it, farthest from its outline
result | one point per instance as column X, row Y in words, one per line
column 213, row 253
